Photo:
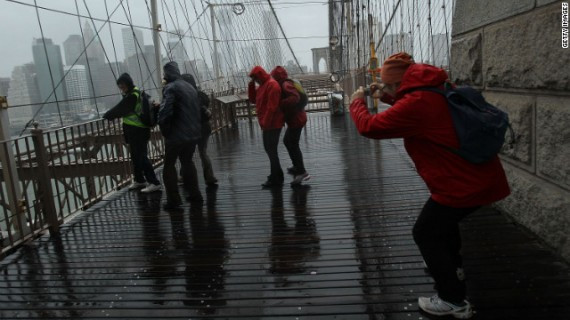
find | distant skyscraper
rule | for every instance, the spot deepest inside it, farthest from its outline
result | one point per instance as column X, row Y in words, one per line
column 94, row 50
column 77, row 87
column 4, row 85
column 49, row 75
column 272, row 47
column 23, row 91
column 176, row 49
column 73, row 49
column 394, row 43
column 227, row 48
column 129, row 43
column 440, row 50
column 251, row 57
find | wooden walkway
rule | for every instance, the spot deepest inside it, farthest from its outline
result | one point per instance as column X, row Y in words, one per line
column 339, row 248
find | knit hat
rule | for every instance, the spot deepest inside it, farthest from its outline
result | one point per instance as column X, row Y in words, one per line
column 394, row 67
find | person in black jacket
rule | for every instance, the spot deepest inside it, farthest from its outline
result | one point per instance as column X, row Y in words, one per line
column 206, row 132
column 136, row 134
column 179, row 121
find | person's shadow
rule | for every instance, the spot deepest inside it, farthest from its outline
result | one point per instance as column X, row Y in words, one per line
column 292, row 247
column 204, row 273
column 160, row 265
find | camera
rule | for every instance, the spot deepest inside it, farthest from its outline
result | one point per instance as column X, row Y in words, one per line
column 368, row 91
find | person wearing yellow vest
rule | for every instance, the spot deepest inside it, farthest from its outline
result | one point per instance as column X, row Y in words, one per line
column 136, row 134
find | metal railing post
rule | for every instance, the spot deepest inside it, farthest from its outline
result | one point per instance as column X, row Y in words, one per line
column 44, row 182
column 10, row 175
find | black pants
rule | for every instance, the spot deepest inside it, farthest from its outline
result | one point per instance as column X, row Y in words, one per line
column 270, row 143
column 436, row 233
column 206, row 162
column 291, row 141
column 184, row 151
column 137, row 139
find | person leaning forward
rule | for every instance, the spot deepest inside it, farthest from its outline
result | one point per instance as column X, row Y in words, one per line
column 457, row 187
column 136, row 134
column 296, row 119
column 271, row 119
column 179, row 121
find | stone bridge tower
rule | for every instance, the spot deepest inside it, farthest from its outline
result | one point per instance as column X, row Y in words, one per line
column 512, row 51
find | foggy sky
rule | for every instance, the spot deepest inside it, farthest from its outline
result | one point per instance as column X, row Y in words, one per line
column 19, row 26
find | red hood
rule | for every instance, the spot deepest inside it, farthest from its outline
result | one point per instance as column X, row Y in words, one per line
column 259, row 73
column 279, row 74
column 421, row 75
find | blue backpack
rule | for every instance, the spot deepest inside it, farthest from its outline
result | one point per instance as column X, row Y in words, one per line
column 480, row 126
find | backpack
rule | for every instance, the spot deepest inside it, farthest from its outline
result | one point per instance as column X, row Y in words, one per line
column 149, row 114
column 205, row 112
column 304, row 99
column 480, row 126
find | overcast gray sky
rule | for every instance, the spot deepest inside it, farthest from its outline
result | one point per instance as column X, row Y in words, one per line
column 19, row 25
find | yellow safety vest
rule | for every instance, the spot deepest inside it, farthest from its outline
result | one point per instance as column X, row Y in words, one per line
column 134, row 119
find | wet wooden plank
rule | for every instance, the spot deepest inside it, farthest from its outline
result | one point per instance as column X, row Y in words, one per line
column 341, row 249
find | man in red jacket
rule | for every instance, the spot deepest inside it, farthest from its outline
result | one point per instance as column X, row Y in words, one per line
column 271, row 119
column 457, row 186
column 296, row 119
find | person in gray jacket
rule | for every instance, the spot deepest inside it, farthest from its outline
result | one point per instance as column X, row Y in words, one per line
column 179, row 121
column 205, row 113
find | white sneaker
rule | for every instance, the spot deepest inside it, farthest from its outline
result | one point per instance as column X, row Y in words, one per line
column 434, row 305
column 299, row 178
column 137, row 185
column 151, row 188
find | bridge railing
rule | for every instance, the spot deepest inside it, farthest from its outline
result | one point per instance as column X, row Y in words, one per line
column 317, row 87
column 54, row 174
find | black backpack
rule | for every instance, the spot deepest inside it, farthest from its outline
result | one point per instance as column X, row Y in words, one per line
column 304, row 99
column 480, row 126
column 149, row 114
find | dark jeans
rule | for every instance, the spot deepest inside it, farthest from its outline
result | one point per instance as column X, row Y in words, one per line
column 184, row 151
column 137, row 139
column 270, row 143
column 436, row 233
column 206, row 162
column 291, row 141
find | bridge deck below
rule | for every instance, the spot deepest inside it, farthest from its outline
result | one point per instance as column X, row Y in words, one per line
column 339, row 248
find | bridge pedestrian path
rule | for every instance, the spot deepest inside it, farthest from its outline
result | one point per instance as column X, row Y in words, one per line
column 339, row 247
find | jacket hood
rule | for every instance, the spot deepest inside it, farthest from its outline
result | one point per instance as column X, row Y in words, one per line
column 171, row 71
column 421, row 75
column 279, row 74
column 260, row 74
column 190, row 79
column 126, row 79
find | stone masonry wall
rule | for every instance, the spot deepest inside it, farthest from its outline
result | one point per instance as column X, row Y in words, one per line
column 512, row 51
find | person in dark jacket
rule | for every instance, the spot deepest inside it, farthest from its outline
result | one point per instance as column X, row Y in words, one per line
column 179, row 121
column 136, row 134
column 296, row 119
column 271, row 119
column 457, row 186
column 206, row 131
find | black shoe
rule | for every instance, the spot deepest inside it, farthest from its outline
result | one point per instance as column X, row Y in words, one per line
column 195, row 199
column 172, row 206
column 211, row 188
column 270, row 183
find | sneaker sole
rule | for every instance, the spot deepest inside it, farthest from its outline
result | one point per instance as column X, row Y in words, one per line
column 467, row 315
column 307, row 178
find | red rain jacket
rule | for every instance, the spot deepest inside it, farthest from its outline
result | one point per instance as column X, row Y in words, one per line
column 290, row 97
column 266, row 99
column 423, row 119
